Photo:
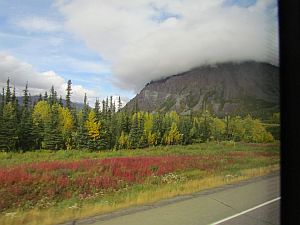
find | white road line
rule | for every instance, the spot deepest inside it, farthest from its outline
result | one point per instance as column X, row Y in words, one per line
column 246, row 211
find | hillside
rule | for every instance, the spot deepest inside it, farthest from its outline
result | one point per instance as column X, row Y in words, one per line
column 233, row 88
column 35, row 98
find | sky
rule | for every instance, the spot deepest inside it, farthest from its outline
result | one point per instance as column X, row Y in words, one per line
column 115, row 47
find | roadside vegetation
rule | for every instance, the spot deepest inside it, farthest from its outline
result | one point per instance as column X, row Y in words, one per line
column 49, row 187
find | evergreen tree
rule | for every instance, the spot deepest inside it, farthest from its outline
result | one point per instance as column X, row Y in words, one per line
column 60, row 102
column 14, row 97
column 185, row 126
column 111, row 103
column 46, row 96
column 15, row 103
column 2, row 131
column 114, row 108
column 157, row 130
column 125, row 122
column 8, row 92
column 81, row 135
column 40, row 98
column 80, row 138
column 97, row 109
column 85, row 105
column 25, row 105
column 103, row 108
column 228, row 133
column 53, row 96
column 136, row 138
column 53, row 138
column 68, row 96
column 9, row 133
column 119, row 103
column 2, row 104
column 205, row 131
column 27, row 136
column 107, row 108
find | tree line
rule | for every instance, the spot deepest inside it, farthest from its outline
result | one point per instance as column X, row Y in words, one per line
column 50, row 124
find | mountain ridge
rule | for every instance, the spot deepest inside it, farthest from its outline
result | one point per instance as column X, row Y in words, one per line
column 238, row 88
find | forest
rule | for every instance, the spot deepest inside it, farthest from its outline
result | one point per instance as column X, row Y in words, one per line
column 49, row 124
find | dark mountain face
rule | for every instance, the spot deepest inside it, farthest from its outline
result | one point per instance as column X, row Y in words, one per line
column 227, row 88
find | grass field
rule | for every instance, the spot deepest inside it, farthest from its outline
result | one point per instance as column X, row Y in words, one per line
column 45, row 187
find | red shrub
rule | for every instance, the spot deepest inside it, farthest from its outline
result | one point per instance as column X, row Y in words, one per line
column 60, row 180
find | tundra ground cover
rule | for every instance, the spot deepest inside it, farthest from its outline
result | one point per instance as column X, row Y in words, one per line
column 104, row 179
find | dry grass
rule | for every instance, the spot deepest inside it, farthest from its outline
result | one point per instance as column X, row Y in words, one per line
column 54, row 216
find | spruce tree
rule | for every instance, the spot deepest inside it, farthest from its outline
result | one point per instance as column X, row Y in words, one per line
column 125, row 122
column 8, row 92
column 68, row 96
column 185, row 126
column 52, row 138
column 27, row 135
column 119, row 103
column 97, row 109
column 2, row 103
column 40, row 97
column 13, row 97
column 107, row 113
column 143, row 142
column 157, row 129
column 60, row 102
column 46, row 96
column 53, row 96
column 105, row 135
column 9, row 128
column 134, row 135
column 2, row 131
column 81, row 135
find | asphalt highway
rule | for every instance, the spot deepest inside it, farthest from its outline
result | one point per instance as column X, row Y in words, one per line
column 255, row 201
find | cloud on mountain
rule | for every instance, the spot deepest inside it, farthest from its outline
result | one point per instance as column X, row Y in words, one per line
column 145, row 40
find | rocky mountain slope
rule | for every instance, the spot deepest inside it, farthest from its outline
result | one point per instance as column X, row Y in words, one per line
column 227, row 88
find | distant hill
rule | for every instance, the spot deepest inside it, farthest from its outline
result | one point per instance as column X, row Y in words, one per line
column 233, row 88
column 35, row 98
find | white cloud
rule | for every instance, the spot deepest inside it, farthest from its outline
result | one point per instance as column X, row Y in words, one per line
column 86, row 66
column 145, row 40
column 38, row 24
column 20, row 73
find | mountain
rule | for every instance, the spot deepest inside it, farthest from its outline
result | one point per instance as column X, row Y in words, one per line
column 227, row 88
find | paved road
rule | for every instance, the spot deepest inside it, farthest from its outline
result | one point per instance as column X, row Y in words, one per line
column 250, row 202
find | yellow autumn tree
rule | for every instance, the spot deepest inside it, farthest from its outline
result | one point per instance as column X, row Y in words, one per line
column 41, row 113
column 173, row 137
column 151, row 139
column 123, row 141
column 148, row 124
column 93, row 126
column 217, row 128
column 66, row 125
